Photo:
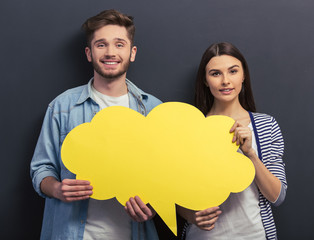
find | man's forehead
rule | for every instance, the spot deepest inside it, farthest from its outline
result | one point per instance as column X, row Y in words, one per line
column 111, row 33
column 115, row 39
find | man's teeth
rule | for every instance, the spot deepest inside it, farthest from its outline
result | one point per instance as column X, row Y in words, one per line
column 110, row 63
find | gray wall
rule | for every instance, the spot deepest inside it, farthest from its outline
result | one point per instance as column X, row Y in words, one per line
column 42, row 54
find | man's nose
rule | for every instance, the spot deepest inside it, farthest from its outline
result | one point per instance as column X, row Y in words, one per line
column 110, row 51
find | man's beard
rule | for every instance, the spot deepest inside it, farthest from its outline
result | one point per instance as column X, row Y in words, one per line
column 111, row 76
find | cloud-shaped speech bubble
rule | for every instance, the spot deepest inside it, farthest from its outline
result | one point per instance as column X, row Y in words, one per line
column 173, row 156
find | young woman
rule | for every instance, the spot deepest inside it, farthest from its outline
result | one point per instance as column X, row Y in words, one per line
column 223, row 88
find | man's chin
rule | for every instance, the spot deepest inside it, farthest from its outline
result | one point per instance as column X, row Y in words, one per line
column 111, row 76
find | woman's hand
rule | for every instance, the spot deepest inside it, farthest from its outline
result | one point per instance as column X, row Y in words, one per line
column 243, row 137
column 204, row 219
column 268, row 184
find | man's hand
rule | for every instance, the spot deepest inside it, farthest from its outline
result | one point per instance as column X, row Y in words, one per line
column 138, row 210
column 68, row 190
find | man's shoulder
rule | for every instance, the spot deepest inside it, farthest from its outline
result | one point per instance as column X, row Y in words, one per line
column 68, row 97
column 148, row 99
column 151, row 98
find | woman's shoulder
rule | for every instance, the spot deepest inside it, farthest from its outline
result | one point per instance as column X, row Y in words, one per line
column 262, row 117
column 264, row 121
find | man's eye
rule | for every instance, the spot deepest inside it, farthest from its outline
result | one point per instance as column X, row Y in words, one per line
column 120, row 45
column 100, row 45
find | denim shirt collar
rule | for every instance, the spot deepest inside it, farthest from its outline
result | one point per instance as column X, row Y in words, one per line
column 132, row 89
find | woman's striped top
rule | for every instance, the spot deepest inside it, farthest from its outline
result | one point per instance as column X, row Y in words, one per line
column 270, row 146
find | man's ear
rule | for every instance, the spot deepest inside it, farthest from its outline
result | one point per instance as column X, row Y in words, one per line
column 133, row 53
column 88, row 53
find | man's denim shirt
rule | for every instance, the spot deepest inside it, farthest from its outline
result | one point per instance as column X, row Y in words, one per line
column 70, row 109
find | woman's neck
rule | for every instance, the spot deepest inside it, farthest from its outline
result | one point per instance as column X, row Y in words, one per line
column 233, row 110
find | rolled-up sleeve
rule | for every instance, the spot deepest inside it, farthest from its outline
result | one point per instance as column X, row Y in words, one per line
column 45, row 159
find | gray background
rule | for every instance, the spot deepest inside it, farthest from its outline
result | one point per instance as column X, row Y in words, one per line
column 42, row 54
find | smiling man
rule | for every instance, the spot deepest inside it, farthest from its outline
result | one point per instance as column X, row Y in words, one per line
column 70, row 213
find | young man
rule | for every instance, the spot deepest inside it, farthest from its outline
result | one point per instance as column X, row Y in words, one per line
column 69, row 211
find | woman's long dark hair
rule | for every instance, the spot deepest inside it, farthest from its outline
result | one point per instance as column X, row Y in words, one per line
column 203, row 97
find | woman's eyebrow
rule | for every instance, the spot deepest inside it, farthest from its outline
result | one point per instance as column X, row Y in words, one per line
column 234, row 66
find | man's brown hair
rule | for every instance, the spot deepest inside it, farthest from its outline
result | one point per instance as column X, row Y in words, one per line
column 108, row 17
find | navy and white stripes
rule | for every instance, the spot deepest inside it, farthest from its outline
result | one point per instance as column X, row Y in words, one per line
column 270, row 146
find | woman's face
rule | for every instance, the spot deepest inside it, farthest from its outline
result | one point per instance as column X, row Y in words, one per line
column 224, row 77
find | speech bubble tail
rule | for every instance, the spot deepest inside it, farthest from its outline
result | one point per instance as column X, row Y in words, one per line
column 167, row 212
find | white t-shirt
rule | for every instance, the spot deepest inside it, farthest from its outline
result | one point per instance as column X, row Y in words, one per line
column 108, row 101
column 240, row 218
column 107, row 219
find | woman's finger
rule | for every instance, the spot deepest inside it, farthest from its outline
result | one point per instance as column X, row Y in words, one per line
column 208, row 222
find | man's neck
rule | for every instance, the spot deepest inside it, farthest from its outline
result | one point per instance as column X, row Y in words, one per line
column 111, row 87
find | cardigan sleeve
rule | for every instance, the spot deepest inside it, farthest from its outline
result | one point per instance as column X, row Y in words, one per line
column 276, row 165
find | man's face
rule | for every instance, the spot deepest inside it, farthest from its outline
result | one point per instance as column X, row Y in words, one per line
column 111, row 52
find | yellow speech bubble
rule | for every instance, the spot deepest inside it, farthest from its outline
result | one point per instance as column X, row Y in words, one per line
column 173, row 156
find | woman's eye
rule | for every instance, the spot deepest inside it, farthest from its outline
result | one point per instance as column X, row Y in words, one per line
column 215, row 74
column 233, row 71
